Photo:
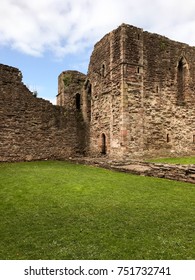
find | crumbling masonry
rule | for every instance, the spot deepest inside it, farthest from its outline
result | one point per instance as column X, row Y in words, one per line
column 137, row 100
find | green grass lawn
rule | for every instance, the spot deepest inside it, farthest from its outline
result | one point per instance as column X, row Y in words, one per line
column 58, row 210
column 183, row 160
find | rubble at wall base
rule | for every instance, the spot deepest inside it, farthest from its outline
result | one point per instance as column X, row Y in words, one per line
column 184, row 173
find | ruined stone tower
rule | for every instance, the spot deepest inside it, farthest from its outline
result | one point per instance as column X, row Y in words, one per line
column 138, row 99
column 70, row 86
column 116, row 77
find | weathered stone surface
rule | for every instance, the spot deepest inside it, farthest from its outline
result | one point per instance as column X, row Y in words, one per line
column 142, row 95
column 70, row 86
column 32, row 128
column 137, row 100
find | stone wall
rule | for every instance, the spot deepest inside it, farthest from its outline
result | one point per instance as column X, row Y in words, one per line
column 169, row 110
column 32, row 128
column 136, row 101
column 185, row 173
column 142, row 98
column 105, row 77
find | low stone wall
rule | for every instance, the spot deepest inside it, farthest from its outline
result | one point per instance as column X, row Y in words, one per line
column 185, row 173
column 178, row 172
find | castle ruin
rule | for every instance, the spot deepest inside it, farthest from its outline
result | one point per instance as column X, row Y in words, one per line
column 136, row 101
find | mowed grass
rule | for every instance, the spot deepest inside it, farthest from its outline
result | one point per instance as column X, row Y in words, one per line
column 179, row 160
column 58, row 210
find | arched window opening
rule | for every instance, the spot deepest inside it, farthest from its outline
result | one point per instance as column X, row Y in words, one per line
column 78, row 101
column 181, row 81
column 103, row 144
column 103, row 70
column 89, row 102
column 168, row 138
column 88, row 94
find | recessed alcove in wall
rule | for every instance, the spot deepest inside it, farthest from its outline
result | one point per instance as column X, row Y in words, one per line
column 88, row 94
column 182, row 80
column 103, row 70
column 103, row 144
column 78, row 101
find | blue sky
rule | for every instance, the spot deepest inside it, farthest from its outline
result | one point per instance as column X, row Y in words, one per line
column 45, row 37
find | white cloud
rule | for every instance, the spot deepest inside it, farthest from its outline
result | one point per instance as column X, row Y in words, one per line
column 69, row 26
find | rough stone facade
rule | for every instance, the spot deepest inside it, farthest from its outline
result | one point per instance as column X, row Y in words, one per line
column 137, row 100
column 32, row 128
column 142, row 95
column 70, row 86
